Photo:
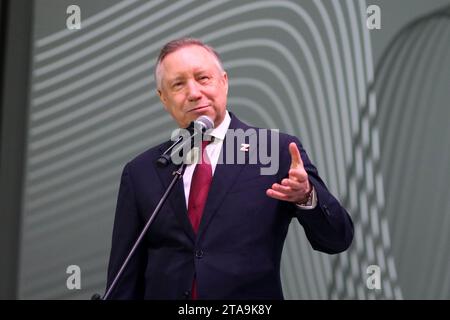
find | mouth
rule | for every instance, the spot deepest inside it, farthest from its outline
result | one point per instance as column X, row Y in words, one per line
column 198, row 108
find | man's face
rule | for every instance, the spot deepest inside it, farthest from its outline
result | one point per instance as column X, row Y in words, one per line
column 192, row 84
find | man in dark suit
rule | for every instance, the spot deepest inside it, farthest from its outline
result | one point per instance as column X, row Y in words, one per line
column 221, row 233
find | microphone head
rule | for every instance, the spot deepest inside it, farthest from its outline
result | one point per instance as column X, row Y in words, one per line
column 204, row 123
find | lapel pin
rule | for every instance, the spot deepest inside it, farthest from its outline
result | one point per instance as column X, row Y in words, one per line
column 244, row 147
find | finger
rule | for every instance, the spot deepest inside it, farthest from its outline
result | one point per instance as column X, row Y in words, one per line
column 296, row 187
column 277, row 195
column 296, row 159
column 283, row 189
column 299, row 175
column 293, row 184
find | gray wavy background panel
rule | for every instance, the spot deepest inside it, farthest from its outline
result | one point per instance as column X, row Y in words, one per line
column 92, row 109
column 304, row 67
column 412, row 89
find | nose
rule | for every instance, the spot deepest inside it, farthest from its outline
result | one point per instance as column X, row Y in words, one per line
column 194, row 92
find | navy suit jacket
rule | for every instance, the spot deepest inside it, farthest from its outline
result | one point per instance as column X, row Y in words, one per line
column 237, row 251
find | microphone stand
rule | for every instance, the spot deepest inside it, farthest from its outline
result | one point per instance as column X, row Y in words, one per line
column 203, row 123
column 177, row 175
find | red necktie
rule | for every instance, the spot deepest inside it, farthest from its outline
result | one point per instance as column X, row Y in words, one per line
column 200, row 183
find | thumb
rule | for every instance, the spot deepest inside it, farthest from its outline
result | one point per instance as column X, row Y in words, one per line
column 296, row 159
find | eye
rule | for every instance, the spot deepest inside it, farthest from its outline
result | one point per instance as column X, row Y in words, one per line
column 177, row 84
column 204, row 78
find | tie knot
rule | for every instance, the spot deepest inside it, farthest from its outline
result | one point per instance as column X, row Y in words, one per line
column 203, row 154
column 206, row 142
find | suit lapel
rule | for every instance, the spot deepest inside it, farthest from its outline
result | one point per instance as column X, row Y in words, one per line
column 177, row 198
column 225, row 176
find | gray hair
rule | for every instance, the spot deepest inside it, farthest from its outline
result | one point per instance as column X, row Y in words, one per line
column 177, row 44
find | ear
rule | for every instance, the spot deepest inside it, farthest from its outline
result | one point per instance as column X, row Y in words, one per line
column 162, row 97
column 225, row 81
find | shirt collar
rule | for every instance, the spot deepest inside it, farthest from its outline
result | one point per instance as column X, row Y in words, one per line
column 221, row 130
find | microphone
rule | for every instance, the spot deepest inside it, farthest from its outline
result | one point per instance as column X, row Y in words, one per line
column 203, row 123
column 197, row 127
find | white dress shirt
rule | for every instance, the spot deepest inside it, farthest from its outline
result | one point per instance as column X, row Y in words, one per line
column 212, row 150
